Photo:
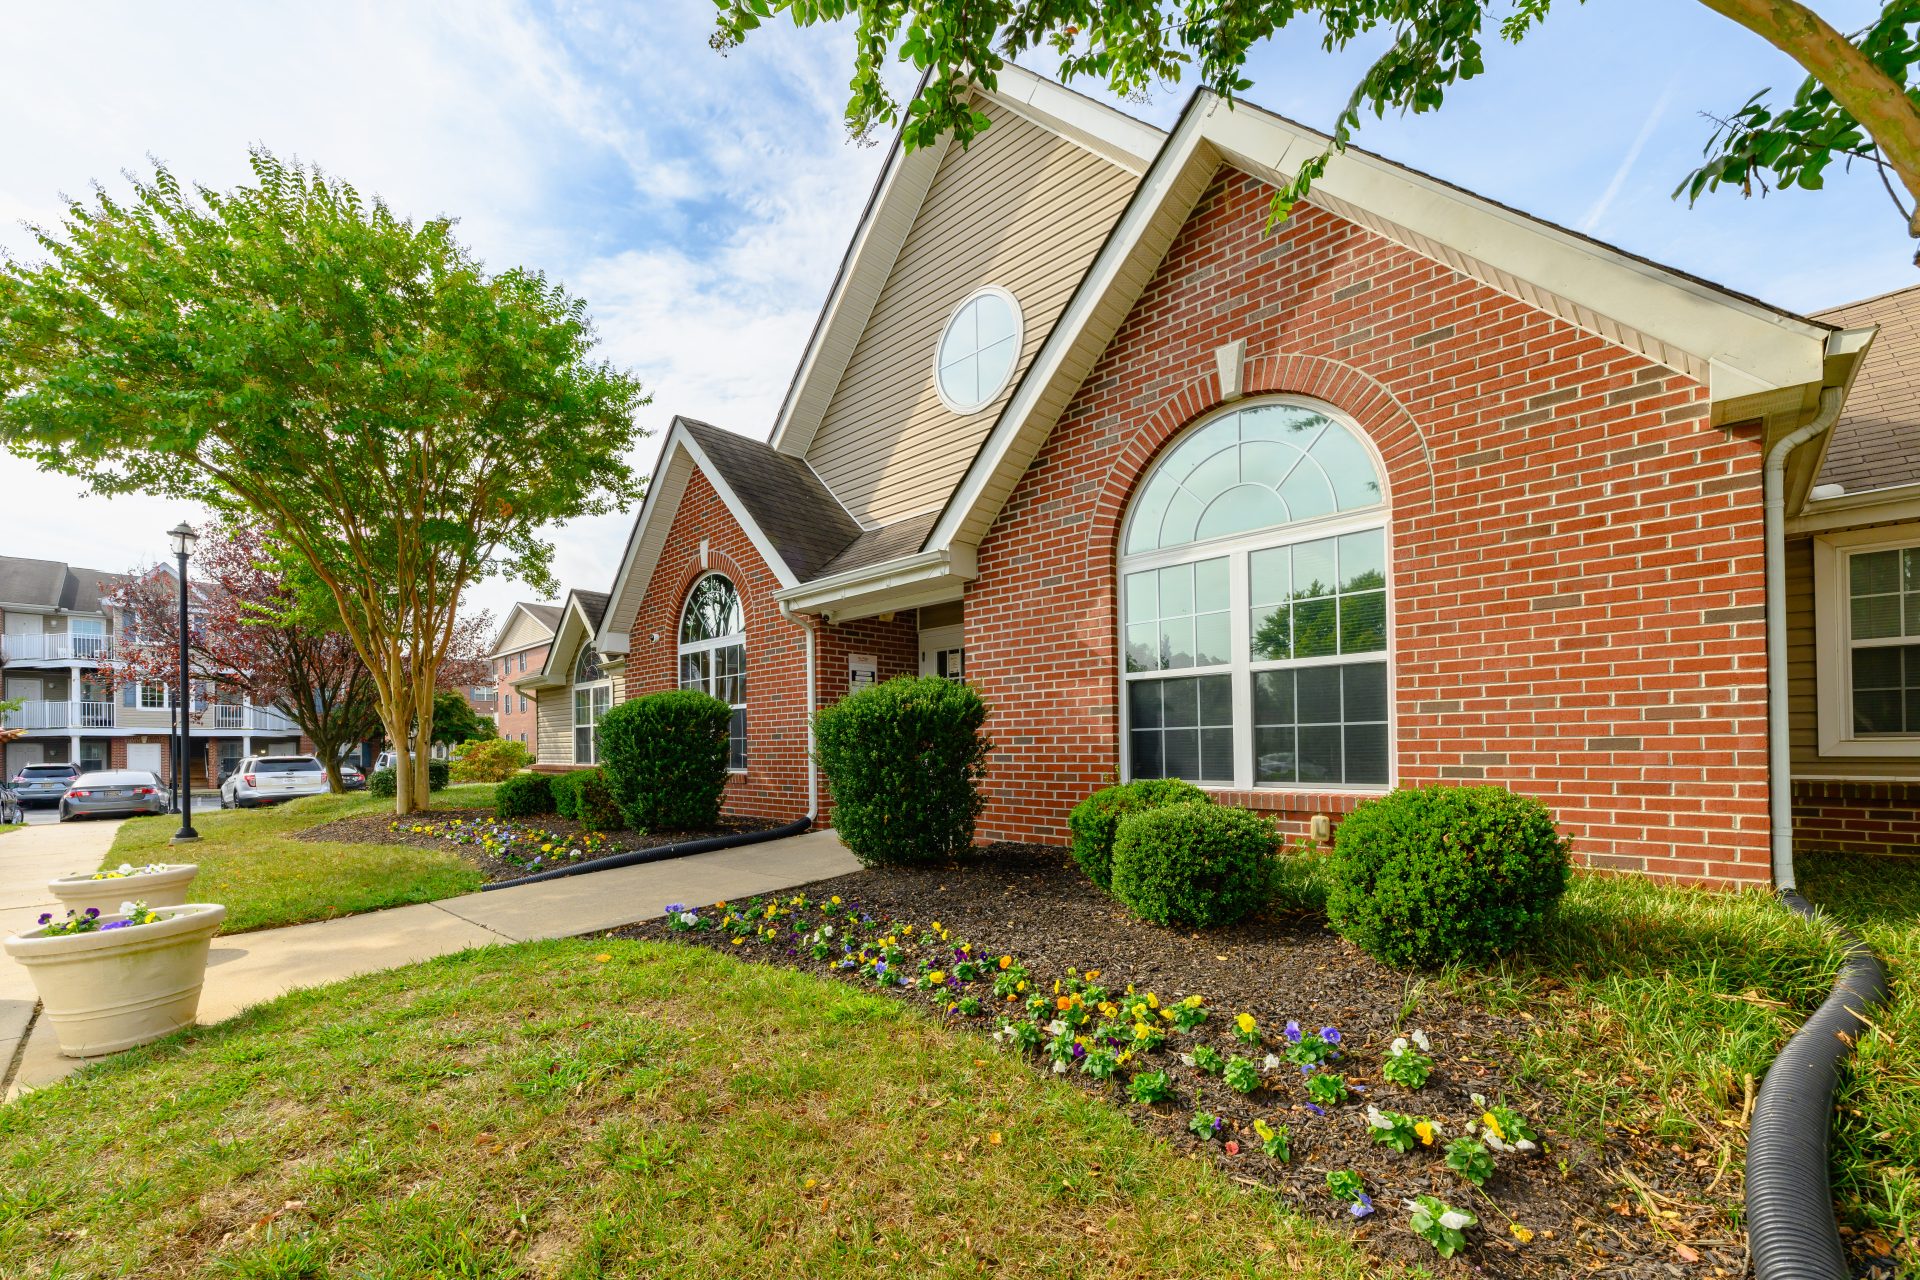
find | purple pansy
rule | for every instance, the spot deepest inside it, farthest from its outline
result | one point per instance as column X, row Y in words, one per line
column 1362, row 1207
column 1293, row 1032
column 1330, row 1034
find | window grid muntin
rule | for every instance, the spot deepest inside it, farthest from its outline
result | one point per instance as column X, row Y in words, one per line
column 716, row 664
column 1237, row 548
column 1885, row 665
column 959, row 348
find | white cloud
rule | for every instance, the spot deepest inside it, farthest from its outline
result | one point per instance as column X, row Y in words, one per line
column 1598, row 210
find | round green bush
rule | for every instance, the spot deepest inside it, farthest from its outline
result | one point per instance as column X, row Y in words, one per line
column 381, row 782
column 1096, row 820
column 524, row 795
column 1429, row 875
column 664, row 758
column 1194, row 864
column 904, row 760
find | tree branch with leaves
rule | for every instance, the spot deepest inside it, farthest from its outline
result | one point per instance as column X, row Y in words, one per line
column 1859, row 102
column 400, row 421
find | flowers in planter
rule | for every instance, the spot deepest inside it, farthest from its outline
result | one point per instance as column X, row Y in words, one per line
column 1407, row 1063
column 126, row 869
column 89, row 921
column 1440, row 1224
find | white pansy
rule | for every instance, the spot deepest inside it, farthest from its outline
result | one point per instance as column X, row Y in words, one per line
column 1455, row 1220
column 1059, row 1068
column 126, row 868
column 1398, row 1047
column 1186, row 1059
column 1420, row 1039
column 688, row 918
column 1377, row 1120
column 1271, row 1062
column 1056, row 1028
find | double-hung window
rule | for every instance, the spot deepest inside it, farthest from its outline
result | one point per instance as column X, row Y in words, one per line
column 1867, row 637
column 1254, row 607
column 592, row 696
column 713, row 655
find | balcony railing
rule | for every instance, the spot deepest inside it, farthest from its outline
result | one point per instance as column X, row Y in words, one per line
column 219, row 717
column 56, row 647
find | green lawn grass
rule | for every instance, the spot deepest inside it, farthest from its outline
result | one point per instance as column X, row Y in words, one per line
column 591, row 1108
column 1877, row 1142
column 251, row 862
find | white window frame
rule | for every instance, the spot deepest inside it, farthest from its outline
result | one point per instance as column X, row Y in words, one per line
column 685, row 647
column 1833, row 643
column 591, row 688
column 1241, row 666
column 1013, row 366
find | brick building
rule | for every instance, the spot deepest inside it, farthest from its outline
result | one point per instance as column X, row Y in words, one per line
column 520, row 648
column 1410, row 488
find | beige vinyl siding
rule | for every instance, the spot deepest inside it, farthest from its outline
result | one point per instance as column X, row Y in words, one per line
column 1802, row 707
column 526, row 630
column 1021, row 208
column 553, row 722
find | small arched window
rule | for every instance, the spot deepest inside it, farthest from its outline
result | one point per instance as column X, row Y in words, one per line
column 713, row 654
column 592, row 695
column 1254, row 606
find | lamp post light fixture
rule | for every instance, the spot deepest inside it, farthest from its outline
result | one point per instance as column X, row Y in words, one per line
column 183, row 538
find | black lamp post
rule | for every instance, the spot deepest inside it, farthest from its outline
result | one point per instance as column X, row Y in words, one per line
column 183, row 539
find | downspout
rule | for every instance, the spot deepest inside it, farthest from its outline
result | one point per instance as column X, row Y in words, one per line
column 813, row 697
column 1774, row 538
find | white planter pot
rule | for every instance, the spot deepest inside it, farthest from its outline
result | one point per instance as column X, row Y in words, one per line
column 166, row 888
column 112, row 989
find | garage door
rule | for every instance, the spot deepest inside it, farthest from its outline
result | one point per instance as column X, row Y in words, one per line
column 145, row 755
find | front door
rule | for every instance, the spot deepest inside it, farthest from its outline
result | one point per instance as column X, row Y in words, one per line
column 943, row 652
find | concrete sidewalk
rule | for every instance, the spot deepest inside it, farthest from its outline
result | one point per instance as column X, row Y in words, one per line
column 29, row 857
column 247, row 968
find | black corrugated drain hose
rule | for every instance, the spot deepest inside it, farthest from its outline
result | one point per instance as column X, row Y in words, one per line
column 659, row 853
column 1790, row 1224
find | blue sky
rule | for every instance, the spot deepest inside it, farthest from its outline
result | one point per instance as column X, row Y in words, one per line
column 701, row 202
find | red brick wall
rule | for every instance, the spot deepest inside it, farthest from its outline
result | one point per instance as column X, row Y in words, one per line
column 1576, row 554
column 513, row 723
column 775, row 782
column 1857, row 817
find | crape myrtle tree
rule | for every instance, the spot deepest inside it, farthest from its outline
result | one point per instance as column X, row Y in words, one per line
column 1858, row 104
column 299, row 357
column 249, row 636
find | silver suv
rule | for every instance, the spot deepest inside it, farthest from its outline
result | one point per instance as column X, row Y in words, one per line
column 259, row 780
column 43, row 783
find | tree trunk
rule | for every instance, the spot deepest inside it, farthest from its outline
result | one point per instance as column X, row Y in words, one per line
column 335, row 783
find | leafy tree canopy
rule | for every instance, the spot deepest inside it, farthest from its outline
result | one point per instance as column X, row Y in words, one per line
column 455, row 721
column 293, row 354
column 1859, row 102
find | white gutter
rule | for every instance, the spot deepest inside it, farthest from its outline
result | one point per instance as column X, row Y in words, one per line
column 1774, row 537
column 813, row 696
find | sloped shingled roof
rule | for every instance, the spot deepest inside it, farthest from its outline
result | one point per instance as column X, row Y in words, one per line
column 804, row 522
column 51, row 584
column 1876, row 443
column 547, row 615
column 593, row 604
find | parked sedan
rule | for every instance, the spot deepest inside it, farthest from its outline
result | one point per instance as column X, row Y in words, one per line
column 113, row 793
column 351, row 778
column 270, row 779
column 43, row 783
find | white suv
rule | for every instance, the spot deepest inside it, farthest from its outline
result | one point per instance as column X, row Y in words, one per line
column 259, row 780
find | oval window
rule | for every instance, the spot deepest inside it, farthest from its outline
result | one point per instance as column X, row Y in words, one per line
column 978, row 350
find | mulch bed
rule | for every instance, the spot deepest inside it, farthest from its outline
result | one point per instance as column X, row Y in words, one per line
column 1033, row 903
column 378, row 828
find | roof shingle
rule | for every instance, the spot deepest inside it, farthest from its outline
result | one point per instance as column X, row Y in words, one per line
column 1876, row 443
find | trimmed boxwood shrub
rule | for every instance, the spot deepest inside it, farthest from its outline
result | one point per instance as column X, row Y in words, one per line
column 524, row 795
column 903, row 760
column 438, row 772
column 1096, row 820
column 583, row 796
column 1429, row 875
column 1195, row 864
column 665, row 759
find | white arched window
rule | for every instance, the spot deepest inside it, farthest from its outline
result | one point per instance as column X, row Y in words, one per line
column 592, row 695
column 713, row 654
column 1254, row 606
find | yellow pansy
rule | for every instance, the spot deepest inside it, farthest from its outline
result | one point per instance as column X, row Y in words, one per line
column 936, row 977
column 1426, row 1131
column 1153, row 1001
column 1520, row 1233
column 1493, row 1125
column 1245, row 1023
column 1006, row 962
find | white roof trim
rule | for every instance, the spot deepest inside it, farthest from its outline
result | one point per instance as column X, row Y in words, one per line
column 1738, row 347
column 888, row 219
column 680, row 453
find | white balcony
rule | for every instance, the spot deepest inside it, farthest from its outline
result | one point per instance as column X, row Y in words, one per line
column 78, row 717
column 56, row 647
